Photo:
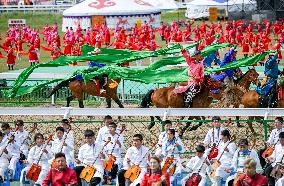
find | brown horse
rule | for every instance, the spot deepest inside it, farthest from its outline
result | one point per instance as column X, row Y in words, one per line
column 165, row 97
column 78, row 88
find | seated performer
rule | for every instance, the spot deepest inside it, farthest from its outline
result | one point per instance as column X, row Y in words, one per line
column 171, row 148
column 276, row 157
column 196, row 77
column 226, row 150
column 250, row 177
column 40, row 154
column 23, row 139
column 198, row 165
column 136, row 155
column 241, row 154
column 213, row 136
column 114, row 149
column 65, row 123
column 61, row 144
column 61, row 174
column 91, row 154
column 155, row 174
column 280, row 181
column 4, row 157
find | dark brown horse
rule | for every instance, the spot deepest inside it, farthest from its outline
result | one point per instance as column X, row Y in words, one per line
column 78, row 88
column 165, row 97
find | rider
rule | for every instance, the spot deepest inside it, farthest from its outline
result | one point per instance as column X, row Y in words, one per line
column 269, row 83
column 196, row 76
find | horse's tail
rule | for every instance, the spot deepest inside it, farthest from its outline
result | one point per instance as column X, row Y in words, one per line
column 59, row 86
column 146, row 101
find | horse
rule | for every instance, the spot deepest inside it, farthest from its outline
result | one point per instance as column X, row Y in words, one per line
column 165, row 97
column 78, row 88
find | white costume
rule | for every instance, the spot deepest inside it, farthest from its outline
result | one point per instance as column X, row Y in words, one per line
column 89, row 155
column 274, row 136
column 114, row 149
column 23, row 141
column 138, row 157
column 103, row 134
column 277, row 155
column 213, row 136
column 4, row 159
column 33, row 157
column 162, row 138
column 197, row 165
column 57, row 146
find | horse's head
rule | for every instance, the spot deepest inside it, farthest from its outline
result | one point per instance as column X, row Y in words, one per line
column 211, row 83
column 252, row 76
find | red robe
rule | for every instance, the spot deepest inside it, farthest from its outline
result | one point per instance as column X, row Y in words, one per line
column 256, row 180
column 59, row 178
column 148, row 179
column 32, row 54
column 11, row 58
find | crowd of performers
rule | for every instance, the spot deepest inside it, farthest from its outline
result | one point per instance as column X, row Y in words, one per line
column 252, row 37
column 218, row 160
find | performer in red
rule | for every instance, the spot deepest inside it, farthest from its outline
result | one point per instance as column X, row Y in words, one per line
column 19, row 47
column 245, row 46
column 33, row 58
column 55, row 51
column 107, row 36
column 11, row 58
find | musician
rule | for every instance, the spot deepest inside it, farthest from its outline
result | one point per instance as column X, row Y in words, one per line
column 171, row 148
column 4, row 158
column 104, row 132
column 280, row 181
column 61, row 144
column 22, row 137
column 274, row 135
column 213, row 136
column 276, row 157
column 198, row 165
column 61, row 174
column 241, row 154
column 36, row 152
column 13, row 148
column 92, row 154
column 226, row 150
column 136, row 155
column 250, row 177
column 114, row 148
column 155, row 175
column 65, row 123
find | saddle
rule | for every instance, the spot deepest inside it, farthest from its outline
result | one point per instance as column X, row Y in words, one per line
column 270, row 99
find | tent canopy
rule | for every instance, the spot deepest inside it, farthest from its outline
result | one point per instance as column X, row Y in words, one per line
column 165, row 4
column 111, row 7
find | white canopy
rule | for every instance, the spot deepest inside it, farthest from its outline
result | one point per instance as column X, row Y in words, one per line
column 165, row 4
column 111, row 7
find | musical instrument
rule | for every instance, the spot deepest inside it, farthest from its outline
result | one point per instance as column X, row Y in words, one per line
column 33, row 129
column 10, row 140
column 268, row 151
column 213, row 152
column 35, row 169
column 218, row 163
column 276, row 173
column 53, row 164
column 170, row 161
column 111, row 158
column 89, row 171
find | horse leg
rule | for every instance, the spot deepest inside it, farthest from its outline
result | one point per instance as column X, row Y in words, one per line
column 116, row 99
column 251, row 127
column 185, row 128
column 69, row 99
column 238, row 123
column 81, row 103
column 152, row 123
column 195, row 127
column 108, row 100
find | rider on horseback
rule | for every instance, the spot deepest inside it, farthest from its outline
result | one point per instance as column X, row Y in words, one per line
column 269, row 83
column 196, row 77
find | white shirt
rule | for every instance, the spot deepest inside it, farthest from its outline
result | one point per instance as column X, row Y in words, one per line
column 226, row 158
column 113, row 148
column 4, row 158
column 169, row 148
column 240, row 157
column 195, row 163
column 89, row 154
column 14, row 147
column 57, row 146
column 35, row 153
column 136, row 156
column 277, row 155
column 103, row 134
column 213, row 136
column 22, row 139
column 274, row 136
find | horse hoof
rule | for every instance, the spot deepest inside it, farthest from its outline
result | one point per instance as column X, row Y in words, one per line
column 239, row 125
column 151, row 125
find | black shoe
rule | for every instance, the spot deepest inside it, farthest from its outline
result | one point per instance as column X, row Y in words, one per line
column 1, row 179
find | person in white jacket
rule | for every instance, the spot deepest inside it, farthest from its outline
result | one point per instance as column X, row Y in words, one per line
column 198, row 164
column 4, row 157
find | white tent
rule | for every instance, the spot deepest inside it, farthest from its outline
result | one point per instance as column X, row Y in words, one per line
column 165, row 5
column 200, row 8
column 111, row 12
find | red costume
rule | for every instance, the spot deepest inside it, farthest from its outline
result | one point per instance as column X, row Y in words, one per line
column 59, row 178
column 256, row 180
column 33, row 55
column 11, row 57
column 150, row 179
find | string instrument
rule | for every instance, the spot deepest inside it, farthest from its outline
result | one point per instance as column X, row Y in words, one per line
column 276, row 173
column 195, row 178
column 10, row 140
column 33, row 129
column 134, row 170
column 169, row 162
column 268, row 151
column 213, row 152
column 89, row 171
column 35, row 169
column 53, row 164
column 111, row 158
column 218, row 163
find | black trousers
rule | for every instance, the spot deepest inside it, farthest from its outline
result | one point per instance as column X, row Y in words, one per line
column 267, row 172
column 94, row 181
column 113, row 171
column 121, row 179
